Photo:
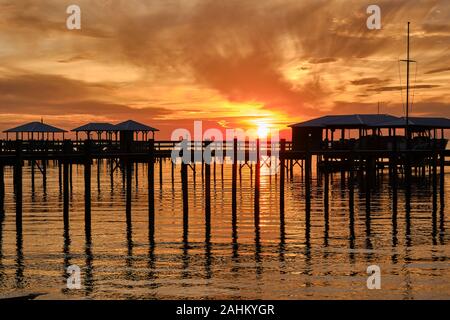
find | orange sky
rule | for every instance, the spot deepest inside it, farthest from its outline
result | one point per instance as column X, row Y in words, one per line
column 230, row 63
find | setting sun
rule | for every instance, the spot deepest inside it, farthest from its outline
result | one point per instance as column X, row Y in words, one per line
column 263, row 131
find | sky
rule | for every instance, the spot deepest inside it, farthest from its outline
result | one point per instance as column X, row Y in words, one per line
column 232, row 64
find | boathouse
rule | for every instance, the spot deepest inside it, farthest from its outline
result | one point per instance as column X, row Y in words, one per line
column 35, row 131
column 99, row 128
column 368, row 131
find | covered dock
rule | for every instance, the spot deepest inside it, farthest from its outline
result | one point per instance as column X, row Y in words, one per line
column 35, row 131
column 99, row 128
column 368, row 132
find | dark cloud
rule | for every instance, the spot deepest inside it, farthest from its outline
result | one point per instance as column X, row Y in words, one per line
column 439, row 70
column 367, row 81
column 398, row 88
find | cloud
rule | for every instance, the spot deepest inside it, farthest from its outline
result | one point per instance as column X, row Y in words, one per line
column 294, row 58
column 439, row 70
column 398, row 88
column 367, row 81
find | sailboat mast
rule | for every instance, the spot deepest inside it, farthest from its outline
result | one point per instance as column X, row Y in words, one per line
column 407, row 87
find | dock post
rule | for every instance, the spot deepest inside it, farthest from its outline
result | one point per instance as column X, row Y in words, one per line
column 98, row 174
column 151, row 189
column 172, row 168
column 308, row 182
column 2, row 190
column 368, row 183
column 160, row 172
column 434, row 179
column 59, row 176
column 351, row 197
column 442, row 178
column 234, row 179
column 44, row 175
column 18, row 183
column 111, row 174
column 184, row 188
column 71, row 176
column 32, row 162
column 87, row 184
column 326, row 190
column 136, row 174
column 282, row 173
column 207, row 165
column 257, row 173
column 67, row 150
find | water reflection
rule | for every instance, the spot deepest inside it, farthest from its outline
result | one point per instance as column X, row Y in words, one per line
column 255, row 251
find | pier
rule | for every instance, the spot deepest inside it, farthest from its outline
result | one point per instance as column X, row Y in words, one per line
column 357, row 166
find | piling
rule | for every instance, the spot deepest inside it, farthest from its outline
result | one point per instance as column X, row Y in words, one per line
column 282, row 173
column 442, row 179
column 308, row 182
column 234, row 179
column 151, row 188
column 257, row 176
column 184, row 188
column 207, row 178
column 87, row 184
column 2, row 190
column 67, row 148
column 18, row 183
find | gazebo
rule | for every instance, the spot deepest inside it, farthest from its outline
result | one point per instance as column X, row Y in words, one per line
column 97, row 127
column 39, row 128
column 131, row 126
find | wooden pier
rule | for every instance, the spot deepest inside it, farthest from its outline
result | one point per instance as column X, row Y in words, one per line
column 355, row 165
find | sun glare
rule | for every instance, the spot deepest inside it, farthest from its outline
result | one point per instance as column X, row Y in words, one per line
column 262, row 131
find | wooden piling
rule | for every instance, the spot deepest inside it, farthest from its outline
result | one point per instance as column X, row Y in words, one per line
column 161, row 173
column 2, row 190
column 44, row 175
column 151, row 189
column 184, row 188
column 87, row 184
column 434, row 179
column 207, row 179
column 234, row 178
column 257, row 176
column 18, row 183
column 60, row 176
column 442, row 179
column 282, row 173
column 308, row 182
column 32, row 163
column 67, row 148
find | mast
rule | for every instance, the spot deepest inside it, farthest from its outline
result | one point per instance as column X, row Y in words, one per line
column 408, row 61
column 407, row 86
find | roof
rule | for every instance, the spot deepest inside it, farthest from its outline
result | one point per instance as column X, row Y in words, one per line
column 96, row 127
column 422, row 122
column 351, row 120
column 35, row 127
column 132, row 125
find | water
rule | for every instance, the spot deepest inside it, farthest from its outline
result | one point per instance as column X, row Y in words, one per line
column 293, row 260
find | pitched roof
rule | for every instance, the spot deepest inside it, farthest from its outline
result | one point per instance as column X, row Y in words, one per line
column 132, row 125
column 351, row 120
column 96, row 126
column 422, row 122
column 35, row 127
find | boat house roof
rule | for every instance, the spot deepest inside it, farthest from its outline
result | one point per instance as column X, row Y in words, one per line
column 96, row 127
column 132, row 125
column 35, row 127
column 346, row 121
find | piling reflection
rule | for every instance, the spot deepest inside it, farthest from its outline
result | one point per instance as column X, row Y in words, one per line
column 320, row 226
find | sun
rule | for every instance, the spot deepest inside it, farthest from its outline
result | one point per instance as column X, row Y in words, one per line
column 263, row 130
